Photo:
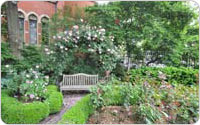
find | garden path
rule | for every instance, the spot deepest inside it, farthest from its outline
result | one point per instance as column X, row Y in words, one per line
column 69, row 100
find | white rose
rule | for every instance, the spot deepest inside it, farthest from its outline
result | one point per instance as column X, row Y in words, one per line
column 61, row 47
column 27, row 76
column 46, row 49
column 7, row 66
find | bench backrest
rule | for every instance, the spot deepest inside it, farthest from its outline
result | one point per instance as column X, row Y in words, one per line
column 79, row 79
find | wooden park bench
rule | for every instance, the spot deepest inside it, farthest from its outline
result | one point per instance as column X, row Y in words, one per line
column 79, row 81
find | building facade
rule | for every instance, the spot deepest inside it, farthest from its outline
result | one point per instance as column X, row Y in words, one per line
column 34, row 17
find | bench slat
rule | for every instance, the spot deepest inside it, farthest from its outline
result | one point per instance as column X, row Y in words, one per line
column 78, row 81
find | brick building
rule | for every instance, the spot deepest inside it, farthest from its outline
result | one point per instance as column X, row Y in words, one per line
column 34, row 15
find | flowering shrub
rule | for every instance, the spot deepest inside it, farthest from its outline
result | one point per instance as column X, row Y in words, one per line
column 89, row 40
column 27, row 85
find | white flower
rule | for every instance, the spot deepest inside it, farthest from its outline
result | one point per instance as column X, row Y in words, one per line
column 37, row 66
column 75, row 27
column 46, row 49
column 70, row 33
column 88, row 38
column 65, row 32
column 37, row 97
column 81, row 20
column 6, row 66
column 28, row 76
column 66, row 49
column 36, row 77
column 59, row 37
column 95, row 35
column 76, row 46
column 108, row 50
column 51, row 51
column 102, row 30
column 48, row 53
column 46, row 77
column 61, row 47
column 54, row 37
column 34, row 72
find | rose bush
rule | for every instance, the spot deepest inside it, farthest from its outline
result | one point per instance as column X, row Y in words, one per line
column 27, row 85
column 85, row 40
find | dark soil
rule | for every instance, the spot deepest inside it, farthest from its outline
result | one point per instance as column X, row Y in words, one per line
column 112, row 115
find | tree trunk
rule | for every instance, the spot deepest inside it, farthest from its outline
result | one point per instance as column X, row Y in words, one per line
column 13, row 27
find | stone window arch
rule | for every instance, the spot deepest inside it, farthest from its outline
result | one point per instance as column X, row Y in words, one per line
column 33, row 28
column 21, row 19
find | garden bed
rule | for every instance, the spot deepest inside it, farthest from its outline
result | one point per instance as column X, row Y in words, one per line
column 112, row 115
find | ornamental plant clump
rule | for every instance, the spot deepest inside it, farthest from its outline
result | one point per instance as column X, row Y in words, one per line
column 26, row 85
column 92, row 40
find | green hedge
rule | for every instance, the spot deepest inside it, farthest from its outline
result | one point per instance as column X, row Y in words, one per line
column 181, row 75
column 15, row 112
column 79, row 113
column 55, row 99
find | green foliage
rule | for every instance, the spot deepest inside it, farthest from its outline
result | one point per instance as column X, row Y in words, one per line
column 32, row 56
column 98, row 93
column 6, row 54
column 186, row 76
column 158, row 27
column 52, row 88
column 79, row 113
column 119, row 71
column 54, row 99
column 15, row 112
column 153, row 100
column 30, row 84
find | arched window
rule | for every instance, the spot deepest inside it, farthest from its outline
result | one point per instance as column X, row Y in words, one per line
column 21, row 25
column 32, row 29
column 45, row 30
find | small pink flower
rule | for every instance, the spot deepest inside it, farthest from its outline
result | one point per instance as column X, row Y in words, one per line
column 75, row 27
column 29, row 82
column 32, row 96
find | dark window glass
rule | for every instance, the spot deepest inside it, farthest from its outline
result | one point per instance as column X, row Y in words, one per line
column 45, row 31
column 33, row 29
column 21, row 28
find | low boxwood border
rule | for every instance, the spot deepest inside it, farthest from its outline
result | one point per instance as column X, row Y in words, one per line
column 54, row 99
column 15, row 112
column 79, row 113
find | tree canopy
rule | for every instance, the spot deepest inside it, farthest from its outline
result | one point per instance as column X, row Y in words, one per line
column 161, row 28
